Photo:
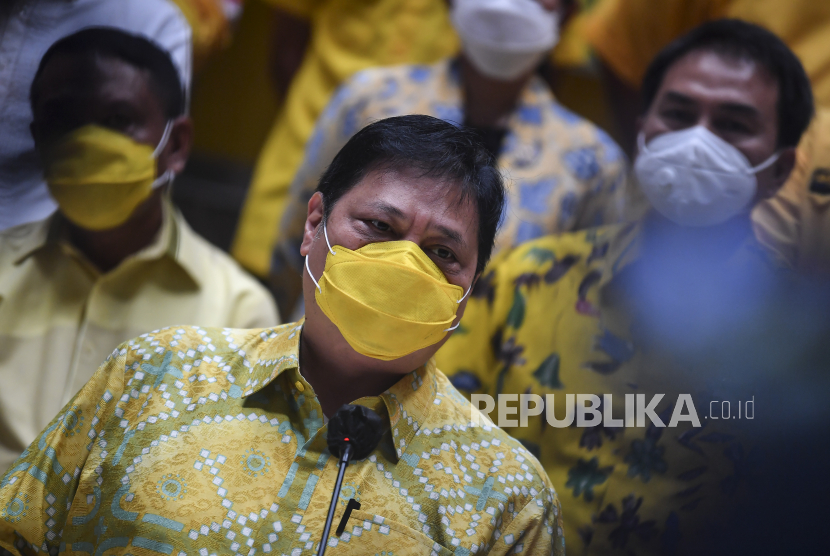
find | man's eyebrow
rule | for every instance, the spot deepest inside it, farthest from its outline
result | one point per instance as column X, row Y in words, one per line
column 740, row 108
column 678, row 97
column 387, row 209
column 451, row 234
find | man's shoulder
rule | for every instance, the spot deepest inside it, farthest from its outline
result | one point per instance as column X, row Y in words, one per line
column 466, row 430
column 211, row 353
column 370, row 81
column 211, row 265
column 555, row 254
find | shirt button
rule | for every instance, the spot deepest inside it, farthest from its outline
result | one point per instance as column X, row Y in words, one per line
column 299, row 386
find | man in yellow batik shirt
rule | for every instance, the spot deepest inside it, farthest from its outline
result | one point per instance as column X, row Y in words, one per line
column 117, row 259
column 627, row 34
column 194, row 440
column 674, row 305
column 564, row 172
column 346, row 37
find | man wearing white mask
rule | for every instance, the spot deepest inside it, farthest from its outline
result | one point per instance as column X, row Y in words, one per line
column 117, row 258
column 27, row 29
column 685, row 302
column 563, row 172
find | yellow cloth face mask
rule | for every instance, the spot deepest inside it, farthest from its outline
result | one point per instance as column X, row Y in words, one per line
column 387, row 299
column 98, row 176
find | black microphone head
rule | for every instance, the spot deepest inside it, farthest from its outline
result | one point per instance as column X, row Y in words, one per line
column 356, row 425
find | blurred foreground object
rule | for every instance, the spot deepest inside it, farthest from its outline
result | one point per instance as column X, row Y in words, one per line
column 27, row 29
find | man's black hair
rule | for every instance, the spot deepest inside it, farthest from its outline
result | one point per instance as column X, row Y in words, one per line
column 744, row 41
column 431, row 147
column 109, row 42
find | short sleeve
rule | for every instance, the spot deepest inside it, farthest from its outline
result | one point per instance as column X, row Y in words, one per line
column 37, row 492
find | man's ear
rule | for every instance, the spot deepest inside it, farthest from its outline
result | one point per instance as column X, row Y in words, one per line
column 175, row 154
column 312, row 222
column 781, row 170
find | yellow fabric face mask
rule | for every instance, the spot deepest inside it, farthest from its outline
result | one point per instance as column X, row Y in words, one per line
column 387, row 299
column 98, row 176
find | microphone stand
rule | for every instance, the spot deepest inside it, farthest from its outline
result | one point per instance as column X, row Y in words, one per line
column 345, row 456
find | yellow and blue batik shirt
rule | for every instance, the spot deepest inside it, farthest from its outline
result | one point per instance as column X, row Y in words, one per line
column 209, row 441
column 562, row 172
column 555, row 316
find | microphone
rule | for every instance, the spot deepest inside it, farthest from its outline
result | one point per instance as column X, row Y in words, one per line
column 354, row 432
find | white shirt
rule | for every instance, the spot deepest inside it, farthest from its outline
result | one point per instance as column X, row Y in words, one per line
column 25, row 36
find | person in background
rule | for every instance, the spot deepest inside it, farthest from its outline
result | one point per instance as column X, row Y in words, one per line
column 116, row 259
column 317, row 45
column 626, row 35
column 204, row 440
column 564, row 172
column 27, row 29
column 685, row 301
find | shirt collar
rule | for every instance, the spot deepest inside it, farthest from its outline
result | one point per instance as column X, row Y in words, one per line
column 408, row 402
column 175, row 239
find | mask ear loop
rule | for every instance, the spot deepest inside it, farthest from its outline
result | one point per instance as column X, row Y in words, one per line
column 765, row 164
column 168, row 175
column 450, row 329
column 165, row 137
column 310, row 275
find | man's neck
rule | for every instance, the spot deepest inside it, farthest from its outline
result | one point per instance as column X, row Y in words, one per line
column 106, row 249
column 489, row 102
column 336, row 381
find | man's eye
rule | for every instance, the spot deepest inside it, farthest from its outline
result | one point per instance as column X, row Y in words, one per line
column 381, row 226
column 732, row 126
column 676, row 115
column 117, row 122
column 443, row 253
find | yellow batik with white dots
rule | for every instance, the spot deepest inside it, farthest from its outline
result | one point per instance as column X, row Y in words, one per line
column 209, row 441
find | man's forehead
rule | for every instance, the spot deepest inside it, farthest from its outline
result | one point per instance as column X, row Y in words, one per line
column 411, row 194
column 711, row 76
column 92, row 75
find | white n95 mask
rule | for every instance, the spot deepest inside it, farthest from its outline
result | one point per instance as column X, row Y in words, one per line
column 695, row 178
column 504, row 38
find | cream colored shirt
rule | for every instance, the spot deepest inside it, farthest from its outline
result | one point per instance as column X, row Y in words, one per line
column 60, row 317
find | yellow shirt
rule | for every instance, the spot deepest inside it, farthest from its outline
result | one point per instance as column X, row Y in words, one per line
column 796, row 222
column 554, row 317
column 209, row 441
column 627, row 34
column 346, row 37
column 60, row 317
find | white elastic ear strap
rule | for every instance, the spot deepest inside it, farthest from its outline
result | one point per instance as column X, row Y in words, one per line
column 325, row 233
column 165, row 137
column 450, row 329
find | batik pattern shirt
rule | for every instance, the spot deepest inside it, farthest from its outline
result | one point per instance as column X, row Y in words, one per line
column 555, row 317
column 209, row 441
column 562, row 172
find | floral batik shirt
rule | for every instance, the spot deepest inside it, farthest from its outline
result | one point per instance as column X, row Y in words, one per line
column 557, row 317
column 209, row 441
